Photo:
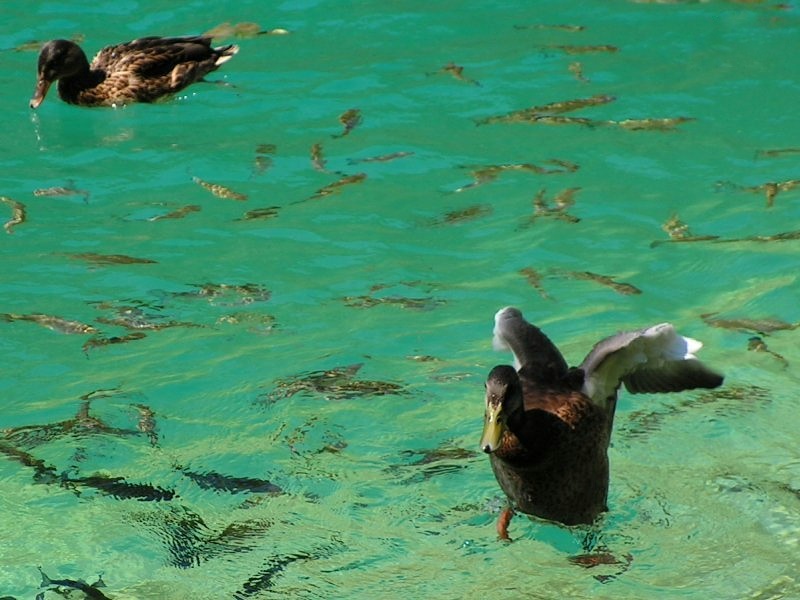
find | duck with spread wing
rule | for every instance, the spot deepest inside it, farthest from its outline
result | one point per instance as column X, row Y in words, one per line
column 547, row 427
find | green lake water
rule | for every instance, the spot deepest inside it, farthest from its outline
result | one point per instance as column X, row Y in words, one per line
column 331, row 334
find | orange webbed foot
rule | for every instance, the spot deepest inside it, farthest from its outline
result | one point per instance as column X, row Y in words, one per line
column 502, row 523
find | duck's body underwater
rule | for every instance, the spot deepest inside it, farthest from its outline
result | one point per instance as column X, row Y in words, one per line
column 547, row 427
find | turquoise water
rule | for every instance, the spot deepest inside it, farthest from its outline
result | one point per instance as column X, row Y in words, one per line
column 256, row 327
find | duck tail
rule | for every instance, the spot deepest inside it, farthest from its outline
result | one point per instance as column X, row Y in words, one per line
column 225, row 53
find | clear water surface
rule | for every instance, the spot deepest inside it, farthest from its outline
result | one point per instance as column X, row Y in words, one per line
column 294, row 402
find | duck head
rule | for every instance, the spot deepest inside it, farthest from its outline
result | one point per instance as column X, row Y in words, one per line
column 503, row 403
column 57, row 59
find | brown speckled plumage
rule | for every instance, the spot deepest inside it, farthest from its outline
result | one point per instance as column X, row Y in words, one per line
column 547, row 427
column 143, row 70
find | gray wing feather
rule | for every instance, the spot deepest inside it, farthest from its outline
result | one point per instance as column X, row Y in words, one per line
column 654, row 359
column 532, row 349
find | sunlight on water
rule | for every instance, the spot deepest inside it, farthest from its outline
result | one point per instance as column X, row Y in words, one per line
column 245, row 331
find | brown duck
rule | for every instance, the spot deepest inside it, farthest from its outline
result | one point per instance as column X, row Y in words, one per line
column 547, row 427
column 143, row 70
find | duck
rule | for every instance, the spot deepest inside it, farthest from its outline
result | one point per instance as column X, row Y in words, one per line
column 143, row 70
column 547, row 426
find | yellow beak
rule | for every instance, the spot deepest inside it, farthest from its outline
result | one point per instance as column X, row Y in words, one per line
column 492, row 429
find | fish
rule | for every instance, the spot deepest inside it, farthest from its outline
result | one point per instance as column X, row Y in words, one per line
column 317, row 158
column 621, row 288
column 377, row 287
column 457, row 71
column 211, row 480
column 82, row 425
column 694, row 238
column 423, row 358
column 583, row 49
column 563, row 201
column 119, row 488
column 722, row 402
column 256, row 322
column 147, row 422
column 565, row 166
column 42, row 472
column 678, row 231
column 576, row 69
column 263, row 159
column 527, row 116
column 264, row 579
column 336, row 186
column 349, row 119
column 776, row 237
column 182, row 531
column 260, row 213
column 51, row 322
column 36, row 45
column 427, row 303
column 91, row 591
column 465, row 214
column 550, row 113
column 565, row 198
column 239, row 30
column 95, row 394
column 571, row 105
column 762, row 326
column 563, row 120
column 242, row 30
column 534, row 278
column 427, row 457
column 18, row 213
column 756, row 344
column 480, row 177
column 667, row 124
column 220, row 191
column 593, row 559
column 29, row 46
column 266, row 149
column 136, row 319
column 261, row 164
column 487, row 174
column 338, row 383
column 61, row 191
column 246, row 293
column 773, row 188
column 110, row 259
column 567, row 28
column 99, row 341
column 426, row 464
column 777, row 152
column 675, row 228
column 178, row 213
column 380, row 158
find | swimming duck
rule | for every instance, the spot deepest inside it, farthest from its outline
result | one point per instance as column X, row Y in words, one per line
column 547, row 427
column 143, row 70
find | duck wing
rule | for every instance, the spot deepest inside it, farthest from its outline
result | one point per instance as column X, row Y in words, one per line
column 654, row 359
column 153, row 56
column 534, row 353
